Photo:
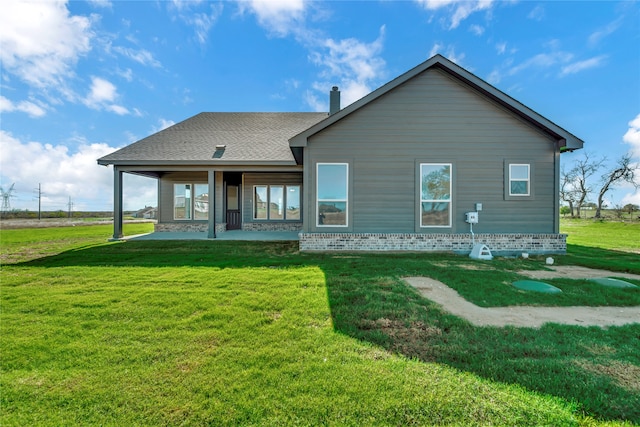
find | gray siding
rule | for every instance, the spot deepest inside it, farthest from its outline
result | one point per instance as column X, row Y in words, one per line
column 165, row 193
column 252, row 179
column 434, row 118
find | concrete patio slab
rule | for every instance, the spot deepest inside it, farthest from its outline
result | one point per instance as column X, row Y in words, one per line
column 227, row 235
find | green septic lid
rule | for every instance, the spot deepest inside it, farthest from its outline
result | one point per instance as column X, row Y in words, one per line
column 613, row 283
column 533, row 285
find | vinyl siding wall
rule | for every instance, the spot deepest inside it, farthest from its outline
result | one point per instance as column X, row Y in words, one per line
column 433, row 118
column 165, row 194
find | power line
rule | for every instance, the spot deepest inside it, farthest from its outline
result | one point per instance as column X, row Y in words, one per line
column 39, row 190
column 6, row 198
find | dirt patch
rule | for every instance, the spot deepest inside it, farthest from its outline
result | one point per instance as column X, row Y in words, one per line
column 574, row 272
column 525, row 316
column 472, row 267
column 625, row 374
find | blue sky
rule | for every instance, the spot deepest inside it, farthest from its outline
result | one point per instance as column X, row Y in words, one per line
column 81, row 79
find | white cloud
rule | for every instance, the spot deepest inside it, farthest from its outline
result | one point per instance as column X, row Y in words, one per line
column 349, row 63
column 141, row 56
column 102, row 95
column 106, row 4
column 542, row 60
column 632, row 137
column 41, row 41
column 101, row 91
column 33, row 110
column 125, row 74
column 460, row 9
column 494, row 77
column 478, row 30
column 201, row 21
column 537, row 13
column 448, row 52
column 501, row 48
column 65, row 174
column 118, row 109
column 578, row 66
column 280, row 17
column 162, row 124
column 609, row 29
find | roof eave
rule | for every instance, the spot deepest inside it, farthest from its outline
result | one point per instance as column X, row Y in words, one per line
column 212, row 163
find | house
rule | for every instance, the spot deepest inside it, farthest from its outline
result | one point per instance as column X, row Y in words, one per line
column 399, row 169
column 148, row 212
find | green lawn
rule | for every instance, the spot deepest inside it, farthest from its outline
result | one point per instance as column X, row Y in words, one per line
column 603, row 234
column 250, row 333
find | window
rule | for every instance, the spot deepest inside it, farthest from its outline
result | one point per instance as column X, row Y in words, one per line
column 293, row 202
column 519, row 179
column 276, row 199
column 332, row 194
column 191, row 201
column 276, row 202
column 260, row 202
column 435, row 195
column 182, row 201
column 201, row 202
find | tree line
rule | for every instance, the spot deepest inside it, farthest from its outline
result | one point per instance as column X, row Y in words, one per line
column 590, row 175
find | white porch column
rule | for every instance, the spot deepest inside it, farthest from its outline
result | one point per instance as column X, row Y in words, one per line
column 212, row 203
column 117, row 203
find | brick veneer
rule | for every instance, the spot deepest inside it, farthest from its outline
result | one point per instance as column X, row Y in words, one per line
column 221, row 228
column 499, row 244
column 272, row 226
column 189, row 227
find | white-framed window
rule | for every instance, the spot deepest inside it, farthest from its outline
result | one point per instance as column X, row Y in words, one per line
column 191, row 201
column 519, row 179
column 435, row 194
column 276, row 202
column 332, row 194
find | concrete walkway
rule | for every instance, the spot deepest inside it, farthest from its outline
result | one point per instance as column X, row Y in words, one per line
column 524, row 316
column 227, row 235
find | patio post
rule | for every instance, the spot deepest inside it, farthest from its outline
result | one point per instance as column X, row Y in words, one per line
column 212, row 203
column 117, row 203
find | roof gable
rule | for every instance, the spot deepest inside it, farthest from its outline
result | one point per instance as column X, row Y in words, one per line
column 566, row 140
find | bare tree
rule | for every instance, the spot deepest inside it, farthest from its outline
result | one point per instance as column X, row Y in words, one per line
column 568, row 191
column 624, row 171
column 582, row 171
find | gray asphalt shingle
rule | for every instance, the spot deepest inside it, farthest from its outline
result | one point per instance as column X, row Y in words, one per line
column 248, row 137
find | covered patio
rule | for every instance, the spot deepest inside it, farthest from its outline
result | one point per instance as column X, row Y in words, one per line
column 228, row 235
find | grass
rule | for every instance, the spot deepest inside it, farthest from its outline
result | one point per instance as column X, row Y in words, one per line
column 250, row 333
column 614, row 235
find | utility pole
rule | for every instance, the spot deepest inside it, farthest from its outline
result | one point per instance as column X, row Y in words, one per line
column 39, row 201
column 70, row 206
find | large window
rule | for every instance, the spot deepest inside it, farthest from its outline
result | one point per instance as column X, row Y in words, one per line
column 435, row 195
column 276, row 202
column 332, row 195
column 519, row 179
column 191, row 201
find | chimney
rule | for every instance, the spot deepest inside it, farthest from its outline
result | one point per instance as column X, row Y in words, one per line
column 334, row 100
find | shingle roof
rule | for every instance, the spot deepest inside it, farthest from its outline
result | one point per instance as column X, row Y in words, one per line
column 248, row 137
